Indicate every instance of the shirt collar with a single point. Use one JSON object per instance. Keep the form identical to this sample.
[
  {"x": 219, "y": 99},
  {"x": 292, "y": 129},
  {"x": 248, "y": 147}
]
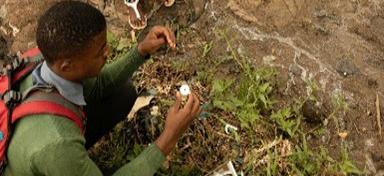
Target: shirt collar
[{"x": 71, "y": 91}]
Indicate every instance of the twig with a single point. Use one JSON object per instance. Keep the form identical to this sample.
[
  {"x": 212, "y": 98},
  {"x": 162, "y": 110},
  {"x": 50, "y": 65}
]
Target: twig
[
  {"x": 189, "y": 144},
  {"x": 224, "y": 135},
  {"x": 378, "y": 113},
  {"x": 266, "y": 147},
  {"x": 357, "y": 129},
  {"x": 133, "y": 36},
  {"x": 313, "y": 129},
  {"x": 287, "y": 6},
  {"x": 262, "y": 161}
]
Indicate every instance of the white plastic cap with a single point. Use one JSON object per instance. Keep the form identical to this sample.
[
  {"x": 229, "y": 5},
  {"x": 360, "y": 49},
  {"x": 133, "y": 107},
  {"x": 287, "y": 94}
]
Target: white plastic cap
[{"x": 184, "y": 90}]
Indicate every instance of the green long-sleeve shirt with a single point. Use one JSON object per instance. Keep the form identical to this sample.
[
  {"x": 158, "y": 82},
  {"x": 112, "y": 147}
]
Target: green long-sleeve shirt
[{"x": 51, "y": 145}]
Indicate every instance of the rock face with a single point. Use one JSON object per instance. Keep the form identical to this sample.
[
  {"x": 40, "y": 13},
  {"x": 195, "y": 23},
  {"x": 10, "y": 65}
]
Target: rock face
[
  {"x": 346, "y": 67},
  {"x": 19, "y": 24},
  {"x": 277, "y": 13},
  {"x": 312, "y": 112}
]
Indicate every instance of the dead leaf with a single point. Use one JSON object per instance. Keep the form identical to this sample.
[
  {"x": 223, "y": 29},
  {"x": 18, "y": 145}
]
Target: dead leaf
[
  {"x": 15, "y": 30},
  {"x": 343, "y": 135},
  {"x": 378, "y": 113}
]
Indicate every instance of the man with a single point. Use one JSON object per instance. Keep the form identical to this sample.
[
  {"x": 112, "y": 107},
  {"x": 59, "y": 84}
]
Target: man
[{"x": 72, "y": 38}]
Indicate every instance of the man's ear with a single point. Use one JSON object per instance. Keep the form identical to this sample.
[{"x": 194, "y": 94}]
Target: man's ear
[{"x": 66, "y": 65}]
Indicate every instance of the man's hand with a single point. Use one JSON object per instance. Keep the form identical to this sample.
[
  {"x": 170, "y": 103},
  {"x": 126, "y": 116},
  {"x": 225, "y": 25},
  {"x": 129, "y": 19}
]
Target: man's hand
[
  {"x": 178, "y": 120},
  {"x": 157, "y": 37}
]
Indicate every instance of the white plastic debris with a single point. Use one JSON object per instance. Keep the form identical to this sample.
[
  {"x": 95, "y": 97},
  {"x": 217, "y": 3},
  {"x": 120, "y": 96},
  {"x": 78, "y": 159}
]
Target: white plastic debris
[
  {"x": 169, "y": 3},
  {"x": 15, "y": 30},
  {"x": 155, "y": 111},
  {"x": 230, "y": 170},
  {"x": 133, "y": 5},
  {"x": 141, "y": 102},
  {"x": 185, "y": 90},
  {"x": 229, "y": 127}
]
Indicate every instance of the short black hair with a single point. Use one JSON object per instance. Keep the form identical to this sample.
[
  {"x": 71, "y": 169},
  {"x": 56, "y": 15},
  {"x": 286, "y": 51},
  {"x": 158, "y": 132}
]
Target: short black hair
[{"x": 66, "y": 29}]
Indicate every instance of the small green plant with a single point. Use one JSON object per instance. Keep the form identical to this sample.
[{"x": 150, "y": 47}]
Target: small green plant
[
  {"x": 346, "y": 165},
  {"x": 247, "y": 95},
  {"x": 207, "y": 48},
  {"x": 220, "y": 93},
  {"x": 117, "y": 46},
  {"x": 272, "y": 164},
  {"x": 179, "y": 65},
  {"x": 285, "y": 121},
  {"x": 313, "y": 89},
  {"x": 339, "y": 105},
  {"x": 304, "y": 161},
  {"x": 112, "y": 40},
  {"x": 245, "y": 100}
]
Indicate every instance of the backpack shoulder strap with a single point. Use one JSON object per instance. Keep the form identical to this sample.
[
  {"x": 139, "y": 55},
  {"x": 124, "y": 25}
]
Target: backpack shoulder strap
[
  {"x": 49, "y": 102},
  {"x": 20, "y": 75},
  {"x": 31, "y": 53},
  {"x": 24, "y": 72},
  {"x": 30, "y": 60}
]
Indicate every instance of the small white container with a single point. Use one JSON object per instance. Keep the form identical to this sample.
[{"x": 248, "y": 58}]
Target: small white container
[{"x": 185, "y": 90}]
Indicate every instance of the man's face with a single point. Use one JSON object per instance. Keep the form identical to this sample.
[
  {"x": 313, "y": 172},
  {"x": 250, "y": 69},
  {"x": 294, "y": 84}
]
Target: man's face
[{"x": 90, "y": 63}]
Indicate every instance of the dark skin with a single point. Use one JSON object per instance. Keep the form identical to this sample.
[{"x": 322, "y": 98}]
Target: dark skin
[
  {"x": 86, "y": 64},
  {"x": 178, "y": 120},
  {"x": 92, "y": 59}
]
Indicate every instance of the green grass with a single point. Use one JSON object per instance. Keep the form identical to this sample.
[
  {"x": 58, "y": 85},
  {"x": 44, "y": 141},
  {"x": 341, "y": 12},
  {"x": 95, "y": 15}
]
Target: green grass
[
  {"x": 249, "y": 98},
  {"x": 271, "y": 139}
]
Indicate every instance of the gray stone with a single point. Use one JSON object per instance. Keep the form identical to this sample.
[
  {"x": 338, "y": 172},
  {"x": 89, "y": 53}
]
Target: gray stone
[
  {"x": 312, "y": 112},
  {"x": 295, "y": 70},
  {"x": 345, "y": 67}
]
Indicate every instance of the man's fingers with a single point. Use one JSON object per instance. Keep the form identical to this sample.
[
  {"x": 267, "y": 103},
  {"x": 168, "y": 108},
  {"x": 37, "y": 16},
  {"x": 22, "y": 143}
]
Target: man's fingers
[
  {"x": 189, "y": 105},
  {"x": 165, "y": 32},
  {"x": 172, "y": 38},
  {"x": 196, "y": 106},
  {"x": 177, "y": 104},
  {"x": 167, "y": 35}
]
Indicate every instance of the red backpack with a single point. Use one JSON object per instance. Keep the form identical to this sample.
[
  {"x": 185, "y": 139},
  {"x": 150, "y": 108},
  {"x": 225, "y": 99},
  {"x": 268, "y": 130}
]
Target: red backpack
[{"x": 15, "y": 105}]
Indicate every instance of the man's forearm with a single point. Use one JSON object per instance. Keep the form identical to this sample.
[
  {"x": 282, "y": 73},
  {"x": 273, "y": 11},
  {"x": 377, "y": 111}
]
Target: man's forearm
[
  {"x": 113, "y": 74},
  {"x": 166, "y": 142}
]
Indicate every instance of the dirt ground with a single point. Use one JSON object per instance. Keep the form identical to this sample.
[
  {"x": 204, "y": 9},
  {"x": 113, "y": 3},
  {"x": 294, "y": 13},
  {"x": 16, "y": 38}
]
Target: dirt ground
[{"x": 339, "y": 44}]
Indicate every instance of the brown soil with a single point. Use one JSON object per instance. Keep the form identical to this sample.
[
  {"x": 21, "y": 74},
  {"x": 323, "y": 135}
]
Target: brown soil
[{"x": 337, "y": 43}]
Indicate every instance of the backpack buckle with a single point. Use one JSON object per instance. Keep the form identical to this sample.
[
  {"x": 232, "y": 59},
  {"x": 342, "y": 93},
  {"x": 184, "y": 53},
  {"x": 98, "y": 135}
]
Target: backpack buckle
[
  {"x": 11, "y": 97},
  {"x": 16, "y": 63}
]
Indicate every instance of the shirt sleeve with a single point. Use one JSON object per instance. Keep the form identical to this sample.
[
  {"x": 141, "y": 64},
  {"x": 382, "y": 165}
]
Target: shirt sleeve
[
  {"x": 113, "y": 75},
  {"x": 146, "y": 164},
  {"x": 71, "y": 158}
]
